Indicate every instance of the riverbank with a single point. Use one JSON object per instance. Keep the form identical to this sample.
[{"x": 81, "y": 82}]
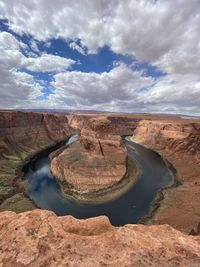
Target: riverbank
[
  {"x": 124, "y": 205},
  {"x": 13, "y": 196},
  {"x": 22, "y": 135},
  {"x": 150, "y": 217},
  {"x": 176, "y": 203}
]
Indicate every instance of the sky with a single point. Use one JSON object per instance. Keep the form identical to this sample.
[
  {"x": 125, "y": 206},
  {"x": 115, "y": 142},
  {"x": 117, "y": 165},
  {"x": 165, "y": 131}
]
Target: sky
[{"x": 116, "y": 55}]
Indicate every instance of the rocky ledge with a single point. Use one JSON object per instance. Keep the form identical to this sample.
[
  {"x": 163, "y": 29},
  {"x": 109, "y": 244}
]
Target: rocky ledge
[
  {"x": 96, "y": 162},
  {"x": 40, "y": 238}
]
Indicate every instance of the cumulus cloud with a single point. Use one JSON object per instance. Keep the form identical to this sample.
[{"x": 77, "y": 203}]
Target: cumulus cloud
[
  {"x": 47, "y": 63},
  {"x": 18, "y": 88},
  {"x": 91, "y": 89},
  {"x": 163, "y": 33}
]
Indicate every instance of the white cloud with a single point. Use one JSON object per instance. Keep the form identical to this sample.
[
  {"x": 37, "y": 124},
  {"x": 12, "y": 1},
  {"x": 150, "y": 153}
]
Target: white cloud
[
  {"x": 90, "y": 89},
  {"x": 47, "y": 63},
  {"x": 9, "y": 42},
  {"x": 18, "y": 88},
  {"x": 77, "y": 47},
  {"x": 164, "y": 33},
  {"x": 15, "y": 87},
  {"x": 175, "y": 90}
]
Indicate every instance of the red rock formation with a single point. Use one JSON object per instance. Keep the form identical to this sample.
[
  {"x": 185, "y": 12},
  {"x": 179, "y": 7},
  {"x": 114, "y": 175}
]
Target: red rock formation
[
  {"x": 177, "y": 136},
  {"x": 98, "y": 161},
  {"x": 78, "y": 120},
  {"x": 22, "y": 135},
  {"x": 178, "y": 141},
  {"x": 32, "y": 128},
  {"x": 39, "y": 238}
]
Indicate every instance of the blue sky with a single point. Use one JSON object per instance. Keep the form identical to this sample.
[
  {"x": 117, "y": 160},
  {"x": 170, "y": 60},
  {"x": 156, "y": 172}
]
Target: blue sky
[{"x": 117, "y": 56}]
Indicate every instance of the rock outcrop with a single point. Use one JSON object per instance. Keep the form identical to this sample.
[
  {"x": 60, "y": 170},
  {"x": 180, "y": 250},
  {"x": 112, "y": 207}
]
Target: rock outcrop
[
  {"x": 97, "y": 161},
  {"x": 22, "y": 134},
  {"x": 178, "y": 140},
  {"x": 40, "y": 238},
  {"x": 177, "y": 136}
]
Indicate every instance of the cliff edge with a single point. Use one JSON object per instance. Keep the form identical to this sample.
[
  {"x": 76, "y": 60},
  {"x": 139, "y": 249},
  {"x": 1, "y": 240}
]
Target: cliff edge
[{"x": 40, "y": 238}]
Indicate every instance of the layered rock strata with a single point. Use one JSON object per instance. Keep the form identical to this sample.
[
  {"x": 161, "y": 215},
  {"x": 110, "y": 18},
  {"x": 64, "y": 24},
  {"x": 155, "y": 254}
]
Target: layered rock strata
[
  {"x": 179, "y": 142},
  {"x": 97, "y": 161},
  {"x": 21, "y": 136},
  {"x": 40, "y": 238}
]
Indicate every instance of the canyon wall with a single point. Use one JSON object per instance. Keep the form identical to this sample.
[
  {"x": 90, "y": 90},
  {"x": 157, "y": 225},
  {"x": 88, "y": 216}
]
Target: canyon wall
[
  {"x": 175, "y": 136},
  {"x": 178, "y": 141},
  {"x": 124, "y": 125},
  {"x": 21, "y": 136},
  {"x": 40, "y": 238}
]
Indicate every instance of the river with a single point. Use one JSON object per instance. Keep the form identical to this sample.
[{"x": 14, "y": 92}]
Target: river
[{"x": 128, "y": 208}]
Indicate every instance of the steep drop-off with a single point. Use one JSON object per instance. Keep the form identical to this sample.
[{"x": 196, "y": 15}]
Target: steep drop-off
[
  {"x": 21, "y": 136},
  {"x": 97, "y": 161},
  {"x": 39, "y": 238},
  {"x": 179, "y": 142},
  {"x": 178, "y": 136}
]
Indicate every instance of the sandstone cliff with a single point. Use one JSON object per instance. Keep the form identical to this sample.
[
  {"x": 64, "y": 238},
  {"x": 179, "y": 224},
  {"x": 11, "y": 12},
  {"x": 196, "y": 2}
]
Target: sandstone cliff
[
  {"x": 178, "y": 140},
  {"x": 21, "y": 136},
  {"x": 39, "y": 238},
  {"x": 97, "y": 161},
  {"x": 177, "y": 136}
]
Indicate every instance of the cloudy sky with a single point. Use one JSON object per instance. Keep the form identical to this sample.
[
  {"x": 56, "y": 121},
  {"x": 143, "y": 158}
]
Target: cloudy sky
[{"x": 116, "y": 55}]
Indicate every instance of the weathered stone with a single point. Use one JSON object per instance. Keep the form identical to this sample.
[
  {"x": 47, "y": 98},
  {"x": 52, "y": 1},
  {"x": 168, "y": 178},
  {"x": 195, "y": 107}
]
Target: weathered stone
[
  {"x": 39, "y": 238},
  {"x": 96, "y": 162}
]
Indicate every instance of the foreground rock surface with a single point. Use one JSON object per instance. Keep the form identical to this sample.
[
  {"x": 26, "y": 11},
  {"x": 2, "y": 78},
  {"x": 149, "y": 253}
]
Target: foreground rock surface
[
  {"x": 178, "y": 141},
  {"x": 40, "y": 238},
  {"x": 97, "y": 161}
]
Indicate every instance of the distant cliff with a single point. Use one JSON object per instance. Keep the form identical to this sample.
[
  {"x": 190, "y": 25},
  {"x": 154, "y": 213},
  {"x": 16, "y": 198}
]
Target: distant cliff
[{"x": 177, "y": 136}]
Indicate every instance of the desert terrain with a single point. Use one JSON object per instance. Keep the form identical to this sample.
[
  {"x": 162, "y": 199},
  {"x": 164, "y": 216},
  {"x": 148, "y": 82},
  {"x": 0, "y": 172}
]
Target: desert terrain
[{"x": 99, "y": 153}]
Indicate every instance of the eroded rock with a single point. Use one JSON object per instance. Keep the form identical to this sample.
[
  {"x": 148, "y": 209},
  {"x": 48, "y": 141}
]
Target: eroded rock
[
  {"x": 40, "y": 238},
  {"x": 96, "y": 162}
]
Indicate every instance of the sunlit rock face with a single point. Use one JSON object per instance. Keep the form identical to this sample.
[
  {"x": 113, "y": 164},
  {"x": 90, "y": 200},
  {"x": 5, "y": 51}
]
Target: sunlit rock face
[
  {"x": 178, "y": 141},
  {"x": 173, "y": 135},
  {"x": 40, "y": 238},
  {"x": 95, "y": 162}
]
